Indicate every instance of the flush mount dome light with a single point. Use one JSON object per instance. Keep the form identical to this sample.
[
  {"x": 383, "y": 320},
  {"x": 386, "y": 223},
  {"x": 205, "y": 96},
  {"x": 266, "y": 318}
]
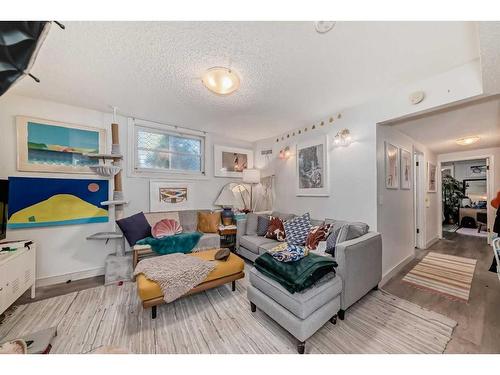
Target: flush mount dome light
[
  {"x": 221, "y": 81},
  {"x": 467, "y": 140}
]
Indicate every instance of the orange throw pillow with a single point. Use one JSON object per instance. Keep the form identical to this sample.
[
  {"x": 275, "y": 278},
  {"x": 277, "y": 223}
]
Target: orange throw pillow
[{"x": 208, "y": 222}]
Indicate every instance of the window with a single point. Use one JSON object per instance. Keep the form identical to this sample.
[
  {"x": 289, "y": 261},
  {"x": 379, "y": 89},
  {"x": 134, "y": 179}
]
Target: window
[{"x": 158, "y": 150}]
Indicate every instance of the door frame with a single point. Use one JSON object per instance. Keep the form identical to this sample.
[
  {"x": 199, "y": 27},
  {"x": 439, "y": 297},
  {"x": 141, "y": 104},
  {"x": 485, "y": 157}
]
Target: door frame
[
  {"x": 490, "y": 180},
  {"x": 419, "y": 191}
]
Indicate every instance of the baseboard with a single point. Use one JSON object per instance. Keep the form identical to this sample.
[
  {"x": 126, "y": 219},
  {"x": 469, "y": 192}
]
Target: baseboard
[
  {"x": 51, "y": 280},
  {"x": 431, "y": 242},
  {"x": 390, "y": 274}
]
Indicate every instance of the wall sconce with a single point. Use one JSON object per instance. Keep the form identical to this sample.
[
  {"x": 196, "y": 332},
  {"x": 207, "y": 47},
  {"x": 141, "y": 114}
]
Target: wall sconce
[
  {"x": 285, "y": 153},
  {"x": 343, "y": 138}
]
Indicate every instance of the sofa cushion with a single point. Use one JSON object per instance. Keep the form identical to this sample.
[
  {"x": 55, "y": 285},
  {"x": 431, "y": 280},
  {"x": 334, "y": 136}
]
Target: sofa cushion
[
  {"x": 262, "y": 225},
  {"x": 316, "y": 234},
  {"x": 282, "y": 215},
  {"x": 252, "y": 221},
  {"x": 188, "y": 220},
  {"x": 336, "y": 236},
  {"x": 301, "y": 304},
  {"x": 135, "y": 228},
  {"x": 252, "y": 243},
  {"x": 355, "y": 229},
  {"x": 264, "y": 248},
  {"x": 297, "y": 229},
  {"x": 155, "y": 217},
  {"x": 208, "y": 241}
]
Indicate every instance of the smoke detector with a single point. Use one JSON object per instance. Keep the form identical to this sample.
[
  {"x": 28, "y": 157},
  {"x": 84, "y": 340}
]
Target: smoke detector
[{"x": 323, "y": 27}]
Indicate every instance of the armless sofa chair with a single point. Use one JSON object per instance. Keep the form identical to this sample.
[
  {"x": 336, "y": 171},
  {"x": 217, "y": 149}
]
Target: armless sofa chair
[{"x": 359, "y": 258}]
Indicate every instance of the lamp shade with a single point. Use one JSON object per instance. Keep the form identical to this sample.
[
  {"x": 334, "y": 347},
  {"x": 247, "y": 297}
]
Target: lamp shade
[
  {"x": 226, "y": 197},
  {"x": 251, "y": 176}
]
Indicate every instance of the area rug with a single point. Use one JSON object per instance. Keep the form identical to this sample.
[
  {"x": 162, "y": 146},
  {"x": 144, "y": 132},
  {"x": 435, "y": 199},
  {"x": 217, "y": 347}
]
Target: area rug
[
  {"x": 447, "y": 275},
  {"x": 472, "y": 232},
  {"x": 220, "y": 321}
]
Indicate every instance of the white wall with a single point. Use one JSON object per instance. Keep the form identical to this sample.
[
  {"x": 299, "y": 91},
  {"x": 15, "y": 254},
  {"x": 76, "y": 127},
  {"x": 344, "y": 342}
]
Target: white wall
[
  {"x": 353, "y": 169},
  {"x": 396, "y": 218},
  {"x": 63, "y": 252}
]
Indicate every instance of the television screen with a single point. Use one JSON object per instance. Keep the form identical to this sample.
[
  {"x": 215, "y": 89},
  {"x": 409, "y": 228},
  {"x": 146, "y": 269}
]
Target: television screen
[{"x": 4, "y": 198}]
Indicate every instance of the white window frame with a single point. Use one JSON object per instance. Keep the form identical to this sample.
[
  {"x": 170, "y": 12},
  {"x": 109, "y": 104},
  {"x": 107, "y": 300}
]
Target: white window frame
[{"x": 135, "y": 171}]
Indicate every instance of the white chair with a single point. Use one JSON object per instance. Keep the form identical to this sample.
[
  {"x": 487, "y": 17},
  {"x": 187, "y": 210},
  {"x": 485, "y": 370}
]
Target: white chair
[{"x": 496, "y": 252}]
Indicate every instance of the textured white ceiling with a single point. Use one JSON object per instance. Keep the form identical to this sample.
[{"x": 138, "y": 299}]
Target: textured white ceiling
[
  {"x": 290, "y": 75},
  {"x": 439, "y": 131}
]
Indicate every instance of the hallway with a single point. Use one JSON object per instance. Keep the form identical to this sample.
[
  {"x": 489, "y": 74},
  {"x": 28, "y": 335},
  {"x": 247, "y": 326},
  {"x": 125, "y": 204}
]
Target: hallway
[{"x": 478, "y": 329}]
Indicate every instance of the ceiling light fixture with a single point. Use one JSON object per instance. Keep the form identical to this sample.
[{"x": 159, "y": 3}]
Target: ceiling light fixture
[
  {"x": 221, "y": 81},
  {"x": 323, "y": 27},
  {"x": 467, "y": 140}
]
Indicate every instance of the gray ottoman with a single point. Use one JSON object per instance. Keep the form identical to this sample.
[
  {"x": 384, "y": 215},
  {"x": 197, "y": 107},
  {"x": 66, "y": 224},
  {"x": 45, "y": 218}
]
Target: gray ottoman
[{"x": 301, "y": 314}]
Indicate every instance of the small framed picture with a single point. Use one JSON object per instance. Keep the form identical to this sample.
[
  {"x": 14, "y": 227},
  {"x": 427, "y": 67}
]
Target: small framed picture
[
  {"x": 405, "y": 169},
  {"x": 431, "y": 178},
  {"x": 230, "y": 161},
  {"x": 391, "y": 166},
  {"x": 169, "y": 196}
]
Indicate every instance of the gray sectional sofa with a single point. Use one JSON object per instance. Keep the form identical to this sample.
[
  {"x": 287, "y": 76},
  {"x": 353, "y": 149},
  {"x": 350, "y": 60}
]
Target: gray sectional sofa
[{"x": 359, "y": 258}]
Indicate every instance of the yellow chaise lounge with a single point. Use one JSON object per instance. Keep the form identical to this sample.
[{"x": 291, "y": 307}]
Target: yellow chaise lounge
[{"x": 227, "y": 271}]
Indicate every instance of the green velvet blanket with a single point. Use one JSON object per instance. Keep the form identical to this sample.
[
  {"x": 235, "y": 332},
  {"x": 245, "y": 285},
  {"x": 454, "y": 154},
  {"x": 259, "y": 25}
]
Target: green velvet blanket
[
  {"x": 178, "y": 243},
  {"x": 295, "y": 276}
]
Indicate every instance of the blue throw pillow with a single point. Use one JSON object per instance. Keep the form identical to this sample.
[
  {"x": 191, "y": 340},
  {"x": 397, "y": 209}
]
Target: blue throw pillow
[
  {"x": 297, "y": 229},
  {"x": 135, "y": 228}
]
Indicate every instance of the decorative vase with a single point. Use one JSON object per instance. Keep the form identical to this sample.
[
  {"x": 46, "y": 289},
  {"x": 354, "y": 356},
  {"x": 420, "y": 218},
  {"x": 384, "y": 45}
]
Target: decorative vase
[{"x": 227, "y": 216}]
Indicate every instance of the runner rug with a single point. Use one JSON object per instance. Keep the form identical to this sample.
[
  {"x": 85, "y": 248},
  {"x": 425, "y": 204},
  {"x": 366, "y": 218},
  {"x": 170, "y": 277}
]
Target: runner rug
[{"x": 448, "y": 275}]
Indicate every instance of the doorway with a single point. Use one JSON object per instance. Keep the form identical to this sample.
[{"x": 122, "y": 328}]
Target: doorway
[{"x": 465, "y": 193}]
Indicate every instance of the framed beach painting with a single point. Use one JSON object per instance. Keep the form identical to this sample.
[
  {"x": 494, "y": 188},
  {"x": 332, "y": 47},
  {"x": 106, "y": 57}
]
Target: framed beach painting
[
  {"x": 230, "y": 161},
  {"x": 51, "y": 146},
  {"x": 431, "y": 178},
  {"x": 40, "y": 202},
  {"x": 312, "y": 168},
  {"x": 405, "y": 169},
  {"x": 391, "y": 166},
  {"x": 169, "y": 196}
]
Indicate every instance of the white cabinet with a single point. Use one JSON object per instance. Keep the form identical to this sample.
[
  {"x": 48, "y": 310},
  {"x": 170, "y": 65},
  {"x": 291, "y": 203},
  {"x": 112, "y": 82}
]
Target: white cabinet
[{"x": 17, "y": 274}]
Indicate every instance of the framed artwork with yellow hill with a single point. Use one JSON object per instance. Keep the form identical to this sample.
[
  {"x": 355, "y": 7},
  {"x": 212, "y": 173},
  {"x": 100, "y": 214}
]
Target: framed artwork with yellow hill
[
  {"x": 40, "y": 202},
  {"x": 52, "y": 146}
]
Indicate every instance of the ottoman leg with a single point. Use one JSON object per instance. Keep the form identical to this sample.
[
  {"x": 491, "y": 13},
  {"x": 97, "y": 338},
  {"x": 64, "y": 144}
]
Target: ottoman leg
[
  {"x": 301, "y": 347},
  {"x": 333, "y": 319},
  {"x": 375, "y": 287},
  {"x": 233, "y": 285},
  {"x": 341, "y": 314},
  {"x": 253, "y": 307},
  {"x": 153, "y": 312}
]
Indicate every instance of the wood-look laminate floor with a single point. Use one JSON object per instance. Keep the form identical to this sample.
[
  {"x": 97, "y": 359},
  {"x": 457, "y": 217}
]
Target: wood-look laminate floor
[{"x": 478, "y": 329}]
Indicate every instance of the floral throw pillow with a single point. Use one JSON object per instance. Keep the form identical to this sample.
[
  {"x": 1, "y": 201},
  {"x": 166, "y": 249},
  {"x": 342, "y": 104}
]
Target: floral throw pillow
[
  {"x": 316, "y": 234},
  {"x": 276, "y": 230}
]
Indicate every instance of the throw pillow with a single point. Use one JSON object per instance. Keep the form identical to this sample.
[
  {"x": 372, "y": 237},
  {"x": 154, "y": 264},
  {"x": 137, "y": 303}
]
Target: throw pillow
[
  {"x": 316, "y": 234},
  {"x": 337, "y": 236},
  {"x": 297, "y": 229},
  {"x": 276, "y": 230},
  {"x": 134, "y": 228},
  {"x": 262, "y": 225},
  {"x": 208, "y": 222}
]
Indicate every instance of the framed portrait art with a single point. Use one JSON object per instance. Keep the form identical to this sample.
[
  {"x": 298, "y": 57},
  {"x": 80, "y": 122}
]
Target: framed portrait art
[
  {"x": 405, "y": 169},
  {"x": 431, "y": 178},
  {"x": 391, "y": 166},
  {"x": 312, "y": 168},
  {"x": 51, "y": 146},
  {"x": 230, "y": 161}
]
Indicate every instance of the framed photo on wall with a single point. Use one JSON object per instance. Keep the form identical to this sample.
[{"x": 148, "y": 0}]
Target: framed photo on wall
[
  {"x": 57, "y": 147},
  {"x": 169, "y": 196},
  {"x": 230, "y": 161},
  {"x": 406, "y": 163},
  {"x": 391, "y": 166},
  {"x": 312, "y": 168},
  {"x": 431, "y": 178}
]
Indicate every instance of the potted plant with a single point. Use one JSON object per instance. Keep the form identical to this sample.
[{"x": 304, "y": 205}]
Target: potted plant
[{"x": 452, "y": 196}]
